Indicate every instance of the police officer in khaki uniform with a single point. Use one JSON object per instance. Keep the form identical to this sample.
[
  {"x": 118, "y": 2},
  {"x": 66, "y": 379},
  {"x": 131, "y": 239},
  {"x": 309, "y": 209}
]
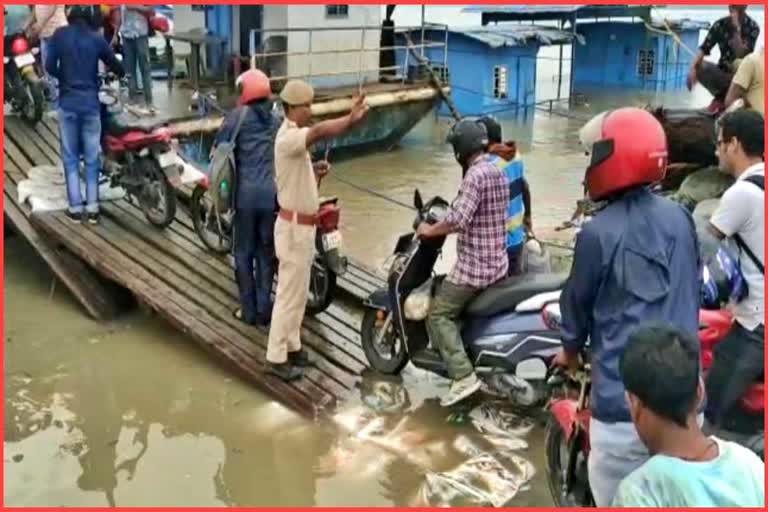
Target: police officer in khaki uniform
[{"x": 296, "y": 179}]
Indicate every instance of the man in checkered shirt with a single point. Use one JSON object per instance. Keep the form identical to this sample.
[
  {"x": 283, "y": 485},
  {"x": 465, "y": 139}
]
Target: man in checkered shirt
[{"x": 478, "y": 215}]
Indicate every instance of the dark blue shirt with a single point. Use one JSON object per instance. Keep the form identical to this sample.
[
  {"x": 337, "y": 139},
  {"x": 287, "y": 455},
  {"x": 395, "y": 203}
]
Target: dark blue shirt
[
  {"x": 254, "y": 155},
  {"x": 635, "y": 262},
  {"x": 73, "y": 57}
]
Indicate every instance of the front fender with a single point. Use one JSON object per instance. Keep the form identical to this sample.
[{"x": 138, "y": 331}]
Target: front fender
[
  {"x": 564, "y": 412},
  {"x": 378, "y": 300}
]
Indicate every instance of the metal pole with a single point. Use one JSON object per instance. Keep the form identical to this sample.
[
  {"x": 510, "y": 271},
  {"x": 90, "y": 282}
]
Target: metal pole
[
  {"x": 560, "y": 66},
  {"x": 423, "y": 12},
  {"x": 573, "y": 60},
  {"x": 309, "y": 53},
  {"x": 445, "y": 54}
]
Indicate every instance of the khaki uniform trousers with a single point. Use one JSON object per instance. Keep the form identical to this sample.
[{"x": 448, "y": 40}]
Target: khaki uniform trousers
[{"x": 295, "y": 249}]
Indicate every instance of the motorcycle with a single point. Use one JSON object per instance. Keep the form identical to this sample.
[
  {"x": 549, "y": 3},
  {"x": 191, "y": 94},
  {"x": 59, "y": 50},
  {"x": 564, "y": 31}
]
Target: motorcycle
[
  {"x": 24, "y": 89},
  {"x": 215, "y": 229},
  {"x": 567, "y": 432},
  {"x": 503, "y": 330},
  {"x": 139, "y": 158}
]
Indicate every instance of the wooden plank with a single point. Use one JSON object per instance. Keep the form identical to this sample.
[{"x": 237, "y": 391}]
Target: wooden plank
[
  {"x": 98, "y": 299},
  {"x": 221, "y": 276},
  {"x": 172, "y": 265},
  {"x": 184, "y": 315}
]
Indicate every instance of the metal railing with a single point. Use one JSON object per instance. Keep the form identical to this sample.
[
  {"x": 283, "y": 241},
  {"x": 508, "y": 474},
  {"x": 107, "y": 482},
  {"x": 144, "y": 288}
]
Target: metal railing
[{"x": 260, "y": 52}]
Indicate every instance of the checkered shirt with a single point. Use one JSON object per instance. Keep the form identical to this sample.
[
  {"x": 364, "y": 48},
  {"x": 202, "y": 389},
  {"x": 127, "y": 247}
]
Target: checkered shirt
[{"x": 478, "y": 215}]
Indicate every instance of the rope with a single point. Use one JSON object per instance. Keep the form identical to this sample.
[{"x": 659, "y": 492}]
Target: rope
[{"x": 372, "y": 192}]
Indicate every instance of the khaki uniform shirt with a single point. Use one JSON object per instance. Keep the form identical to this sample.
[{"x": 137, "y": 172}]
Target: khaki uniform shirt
[
  {"x": 58, "y": 19},
  {"x": 294, "y": 176},
  {"x": 750, "y": 77}
]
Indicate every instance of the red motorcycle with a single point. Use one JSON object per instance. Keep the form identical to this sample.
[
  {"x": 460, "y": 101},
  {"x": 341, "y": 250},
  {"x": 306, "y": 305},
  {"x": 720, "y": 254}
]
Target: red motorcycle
[
  {"x": 140, "y": 159},
  {"x": 215, "y": 230},
  {"x": 567, "y": 435},
  {"x": 24, "y": 89}
]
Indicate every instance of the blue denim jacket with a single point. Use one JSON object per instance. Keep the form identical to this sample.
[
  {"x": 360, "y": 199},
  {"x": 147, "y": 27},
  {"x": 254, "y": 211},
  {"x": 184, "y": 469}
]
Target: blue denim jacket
[
  {"x": 636, "y": 261},
  {"x": 73, "y": 57},
  {"x": 254, "y": 155}
]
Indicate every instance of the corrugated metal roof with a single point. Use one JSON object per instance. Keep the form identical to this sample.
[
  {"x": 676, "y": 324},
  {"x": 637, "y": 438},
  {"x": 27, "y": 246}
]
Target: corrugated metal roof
[
  {"x": 497, "y": 36},
  {"x": 523, "y": 9},
  {"x": 515, "y": 35}
]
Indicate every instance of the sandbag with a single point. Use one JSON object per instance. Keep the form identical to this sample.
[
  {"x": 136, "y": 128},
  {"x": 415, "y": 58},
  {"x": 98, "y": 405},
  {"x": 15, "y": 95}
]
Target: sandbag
[{"x": 708, "y": 183}]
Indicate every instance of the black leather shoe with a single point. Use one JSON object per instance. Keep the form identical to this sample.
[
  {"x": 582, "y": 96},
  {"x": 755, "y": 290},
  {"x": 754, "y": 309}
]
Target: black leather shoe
[{"x": 285, "y": 371}]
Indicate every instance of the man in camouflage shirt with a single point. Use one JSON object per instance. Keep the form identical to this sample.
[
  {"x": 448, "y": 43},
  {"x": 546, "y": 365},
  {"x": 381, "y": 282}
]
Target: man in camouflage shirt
[{"x": 735, "y": 35}]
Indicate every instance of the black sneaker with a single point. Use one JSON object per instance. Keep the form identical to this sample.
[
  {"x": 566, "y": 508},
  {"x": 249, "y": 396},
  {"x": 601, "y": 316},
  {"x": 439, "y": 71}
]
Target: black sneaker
[
  {"x": 285, "y": 371},
  {"x": 93, "y": 217},
  {"x": 76, "y": 217},
  {"x": 300, "y": 358}
]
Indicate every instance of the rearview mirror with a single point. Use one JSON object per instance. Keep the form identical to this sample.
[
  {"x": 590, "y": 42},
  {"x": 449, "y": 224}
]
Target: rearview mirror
[{"x": 417, "y": 202}]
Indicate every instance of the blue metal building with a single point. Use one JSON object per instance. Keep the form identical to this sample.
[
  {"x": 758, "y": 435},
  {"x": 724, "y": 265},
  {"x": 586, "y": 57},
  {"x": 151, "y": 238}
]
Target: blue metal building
[
  {"x": 489, "y": 69},
  {"x": 622, "y": 46},
  {"x": 620, "y": 54}
]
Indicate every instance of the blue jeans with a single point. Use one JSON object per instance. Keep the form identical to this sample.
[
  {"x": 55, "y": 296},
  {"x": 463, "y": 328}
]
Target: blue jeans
[
  {"x": 136, "y": 52},
  {"x": 51, "y": 82},
  {"x": 254, "y": 248},
  {"x": 81, "y": 135}
]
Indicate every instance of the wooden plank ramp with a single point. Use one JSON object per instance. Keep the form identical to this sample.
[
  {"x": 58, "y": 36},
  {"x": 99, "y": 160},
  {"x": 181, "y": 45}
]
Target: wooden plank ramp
[
  {"x": 171, "y": 272},
  {"x": 100, "y": 299}
]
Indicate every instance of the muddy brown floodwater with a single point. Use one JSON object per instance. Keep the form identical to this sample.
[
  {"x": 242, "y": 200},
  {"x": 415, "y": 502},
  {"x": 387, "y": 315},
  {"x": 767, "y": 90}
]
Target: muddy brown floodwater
[{"x": 131, "y": 413}]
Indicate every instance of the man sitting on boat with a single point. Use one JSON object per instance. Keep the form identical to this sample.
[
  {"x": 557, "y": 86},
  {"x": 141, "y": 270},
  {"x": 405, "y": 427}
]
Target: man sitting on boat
[
  {"x": 478, "y": 216},
  {"x": 503, "y": 155},
  {"x": 735, "y": 35},
  {"x": 748, "y": 82}
]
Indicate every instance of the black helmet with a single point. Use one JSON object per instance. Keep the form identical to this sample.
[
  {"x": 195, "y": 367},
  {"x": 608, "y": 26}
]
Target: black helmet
[
  {"x": 90, "y": 14},
  {"x": 467, "y": 138},
  {"x": 493, "y": 128}
]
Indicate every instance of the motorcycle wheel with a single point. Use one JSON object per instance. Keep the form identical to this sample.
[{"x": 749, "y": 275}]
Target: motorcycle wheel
[
  {"x": 34, "y": 105},
  {"x": 322, "y": 286},
  {"x": 206, "y": 226},
  {"x": 556, "y": 448},
  {"x": 390, "y": 358},
  {"x": 155, "y": 191}
]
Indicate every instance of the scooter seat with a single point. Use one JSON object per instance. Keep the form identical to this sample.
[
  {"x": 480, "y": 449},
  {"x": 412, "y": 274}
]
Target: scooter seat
[
  {"x": 119, "y": 129},
  {"x": 507, "y": 294}
]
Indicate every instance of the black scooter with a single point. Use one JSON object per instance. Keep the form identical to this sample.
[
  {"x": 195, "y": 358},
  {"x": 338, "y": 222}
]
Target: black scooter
[{"x": 504, "y": 331}]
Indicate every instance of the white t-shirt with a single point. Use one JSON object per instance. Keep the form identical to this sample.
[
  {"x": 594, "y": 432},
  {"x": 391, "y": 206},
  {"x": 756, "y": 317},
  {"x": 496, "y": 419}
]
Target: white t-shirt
[{"x": 741, "y": 211}]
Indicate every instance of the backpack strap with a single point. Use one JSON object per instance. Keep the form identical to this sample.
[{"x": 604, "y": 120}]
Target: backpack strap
[
  {"x": 758, "y": 181},
  {"x": 240, "y": 119}
]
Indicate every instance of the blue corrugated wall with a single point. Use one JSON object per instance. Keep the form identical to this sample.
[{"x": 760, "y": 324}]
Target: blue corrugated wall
[{"x": 471, "y": 68}]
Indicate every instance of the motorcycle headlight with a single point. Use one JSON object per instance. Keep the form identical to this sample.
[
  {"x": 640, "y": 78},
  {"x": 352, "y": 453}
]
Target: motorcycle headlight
[{"x": 417, "y": 304}]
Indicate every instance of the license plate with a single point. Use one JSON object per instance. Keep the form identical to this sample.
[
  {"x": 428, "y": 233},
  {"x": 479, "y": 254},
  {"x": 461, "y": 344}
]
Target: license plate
[
  {"x": 332, "y": 240},
  {"x": 167, "y": 159},
  {"x": 24, "y": 60}
]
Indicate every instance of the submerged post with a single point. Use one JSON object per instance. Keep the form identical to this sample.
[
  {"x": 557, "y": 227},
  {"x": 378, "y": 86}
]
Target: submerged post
[
  {"x": 573, "y": 59},
  {"x": 560, "y": 64}
]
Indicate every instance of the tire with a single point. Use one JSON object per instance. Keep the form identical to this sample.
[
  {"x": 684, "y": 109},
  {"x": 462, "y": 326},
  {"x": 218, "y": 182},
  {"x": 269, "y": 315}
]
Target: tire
[
  {"x": 554, "y": 442},
  {"x": 34, "y": 108},
  {"x": 155, "y": 188},
  {"x": 322, "y": 287},
  {"x": 220, "y": 243},
  {"x": 368, "y": 332}
]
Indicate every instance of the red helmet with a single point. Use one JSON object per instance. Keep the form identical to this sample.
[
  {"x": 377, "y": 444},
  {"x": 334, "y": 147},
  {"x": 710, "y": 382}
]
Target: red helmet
[
  {"x": 19, "y": 45},
  {"x": 628, "y": 148},
  {"x": 253, "y": 85}
]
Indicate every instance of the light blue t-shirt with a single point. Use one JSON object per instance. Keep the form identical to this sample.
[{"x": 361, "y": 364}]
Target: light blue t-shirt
[
  {"x": 734, "y": 479},
  {"x": 516, "y": 208}
]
